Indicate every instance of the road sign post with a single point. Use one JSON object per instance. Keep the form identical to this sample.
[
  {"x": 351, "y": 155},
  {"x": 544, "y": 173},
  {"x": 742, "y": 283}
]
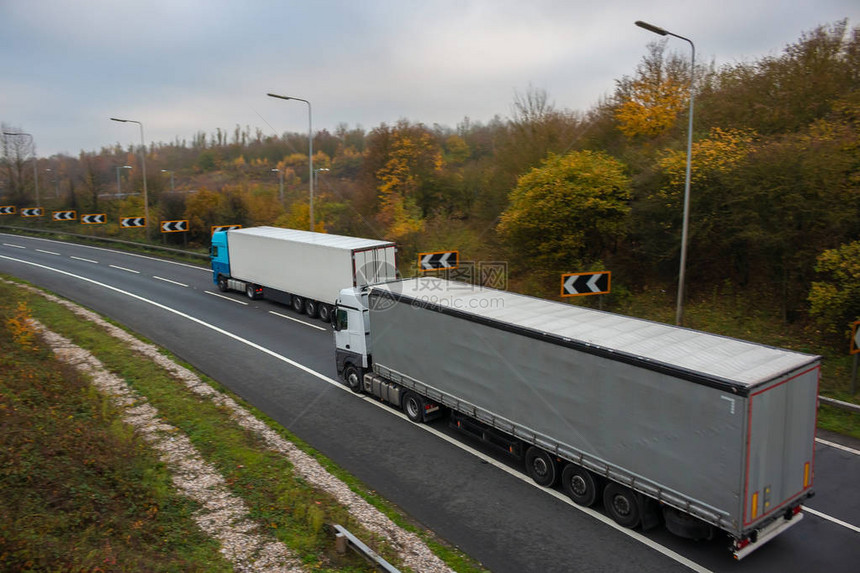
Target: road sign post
[
  {"x": 132, "y": 222},
  {"x": 584, "y": 284},
  {"x": 215, "y": 228},
  {"x": 64, "y": 215},
  {"x": 93, "y": 219},
  {"x": 438, "y": 261}
]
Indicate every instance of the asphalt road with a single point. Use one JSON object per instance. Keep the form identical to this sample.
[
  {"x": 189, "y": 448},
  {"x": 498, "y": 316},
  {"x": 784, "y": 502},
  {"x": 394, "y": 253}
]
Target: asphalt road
[{"x": 283, "y": 364}]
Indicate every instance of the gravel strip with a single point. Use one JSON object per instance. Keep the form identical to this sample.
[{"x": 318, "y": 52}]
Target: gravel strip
[
  {"x": 223, "y": 515},
  {"x": 413, "y": 552}
]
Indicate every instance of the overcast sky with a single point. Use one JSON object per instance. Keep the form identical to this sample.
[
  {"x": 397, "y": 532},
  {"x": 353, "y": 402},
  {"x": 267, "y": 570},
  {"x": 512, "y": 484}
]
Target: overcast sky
[{"x": 182, "y": 66}]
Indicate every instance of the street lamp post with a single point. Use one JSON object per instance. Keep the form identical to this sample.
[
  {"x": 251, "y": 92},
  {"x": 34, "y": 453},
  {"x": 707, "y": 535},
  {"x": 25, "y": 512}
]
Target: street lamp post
[
  {"x": 281, "y": 184},
  {"x": 118, "y": 189},
  {"x": 56, "y": 181},
  {"x": 310, "y": 152},
  {"x": 317, "y": 173},
  {"x": 172, "y": 188},
  {"x": 35, "y": 167},
  {"x": 143, "y": 167},
  {"x": 679, "y": 313}
]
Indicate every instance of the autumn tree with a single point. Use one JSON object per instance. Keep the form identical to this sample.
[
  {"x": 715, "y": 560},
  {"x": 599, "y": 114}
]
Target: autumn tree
[
  {"x": 536, "y": 129},
  {"x": 835, "y": 298},
  {"x": 567, "y": 213},
  {"x": 404, "y": 164},
  {"x": 785, "y": 92},
  {"x": 650, "y": 102}
]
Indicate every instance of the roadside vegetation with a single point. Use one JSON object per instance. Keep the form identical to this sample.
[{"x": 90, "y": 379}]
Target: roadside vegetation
[{"x": 81, "y": 491}]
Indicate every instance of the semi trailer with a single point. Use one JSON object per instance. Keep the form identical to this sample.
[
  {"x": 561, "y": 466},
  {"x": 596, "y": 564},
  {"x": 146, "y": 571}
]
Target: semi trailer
[
  {"x": 661, "y": 424},
  {"x": 303, "y": 269}
]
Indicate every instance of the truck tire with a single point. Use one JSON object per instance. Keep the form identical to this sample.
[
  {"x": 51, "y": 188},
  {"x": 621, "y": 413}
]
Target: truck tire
[
  {"x": 352, "y": 376},
  {"x": 325, "y": 313},
  {"x": 311, "y": 308},
  {"x": 222, "y": 283},
  {"x": 580, "y": 485},
  {"x": 541, "y": 467},
  {"x": 413, "y": 407},
  {"x": 298, "y": 304},
  {"x": 685, "y": 525},
  {"x": 622, "y": 505},
  {"x": 251, "y": 291}
]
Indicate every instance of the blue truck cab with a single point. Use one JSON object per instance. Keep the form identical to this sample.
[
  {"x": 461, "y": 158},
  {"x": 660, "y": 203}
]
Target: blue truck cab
[{"x": 219, "y": 256}]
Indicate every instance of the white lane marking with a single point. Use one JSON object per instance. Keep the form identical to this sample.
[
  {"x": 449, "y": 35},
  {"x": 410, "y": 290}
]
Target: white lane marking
[
  {"x": 297, "y": 320},
  {"x": 838, "y": 446},
  {"x": 853, "y": 528},
  {"x": 125, "y": 269},
  {"x": 48, "y": 252},
  {"x": 83, "y": 259},
  {"x": 169, "y": 281},
  {"x": 14, "y": 246},
  {"x": 114, "y": 251},
  {"x": 226, "y": 297}
]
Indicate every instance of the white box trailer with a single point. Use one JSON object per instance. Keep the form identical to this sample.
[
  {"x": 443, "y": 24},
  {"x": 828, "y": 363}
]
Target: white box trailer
[
  {"x": 304, "y": 269},
  {"x": 714, "y": 431}
]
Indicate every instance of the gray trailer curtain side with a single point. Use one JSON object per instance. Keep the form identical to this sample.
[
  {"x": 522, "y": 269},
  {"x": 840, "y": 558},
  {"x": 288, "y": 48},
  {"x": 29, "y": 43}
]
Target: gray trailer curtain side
[{"x": 713, "y": 441}]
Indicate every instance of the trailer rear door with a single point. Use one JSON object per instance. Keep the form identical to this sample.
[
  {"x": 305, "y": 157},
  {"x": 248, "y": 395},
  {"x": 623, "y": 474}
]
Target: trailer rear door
[
  {"x": 374, "y": 265},
  {"x": 780, "y": 444}
]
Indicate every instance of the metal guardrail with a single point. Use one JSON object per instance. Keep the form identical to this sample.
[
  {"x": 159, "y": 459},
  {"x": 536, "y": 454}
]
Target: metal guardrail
[
  {"x": 356, "y": 544},
  {"x": 840, "y": 404},
  {"x": 192, "y": 254}
]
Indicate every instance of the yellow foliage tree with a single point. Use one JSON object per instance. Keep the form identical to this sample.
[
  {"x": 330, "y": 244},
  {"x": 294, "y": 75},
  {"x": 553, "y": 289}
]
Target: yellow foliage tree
[
  {"x": 719, "y": 153},
  {"x": 652, "y": 107}
]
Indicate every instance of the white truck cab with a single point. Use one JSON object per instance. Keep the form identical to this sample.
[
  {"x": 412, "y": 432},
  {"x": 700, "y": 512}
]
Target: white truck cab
[{"x": 351, "y": 335}]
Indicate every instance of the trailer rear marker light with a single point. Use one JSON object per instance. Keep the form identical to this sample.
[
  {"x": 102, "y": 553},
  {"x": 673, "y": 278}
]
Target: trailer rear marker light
[{"x": 755, "y": 505}]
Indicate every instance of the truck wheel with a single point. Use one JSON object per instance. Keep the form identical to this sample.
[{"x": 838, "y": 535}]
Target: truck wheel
[
  {"x": 580, "y": 484},
  {"x": 325, "y": 313},
  {"x": 352, "y": 375},
  {"x": 298, "y": 304},
  {"x": 250, "y": 291},
  {"x": 685, "y": 525},
  {"x": 541, "y": 467},
  {"x": 413, "y": 407},
  {"x": 621, "y": 505},
  {"x": 311, "y": 308},
  {"x": 222, "y": 283}
]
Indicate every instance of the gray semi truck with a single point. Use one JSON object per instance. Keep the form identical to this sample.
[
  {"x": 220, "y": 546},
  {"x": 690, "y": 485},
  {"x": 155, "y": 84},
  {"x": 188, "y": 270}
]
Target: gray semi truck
[{"x": 659, "y": 423}]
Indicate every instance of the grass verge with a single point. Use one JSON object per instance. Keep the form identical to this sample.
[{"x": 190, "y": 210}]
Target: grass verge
[
  {"x": 80, "y": 492},
  {"x": 292, "y": 511}
]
